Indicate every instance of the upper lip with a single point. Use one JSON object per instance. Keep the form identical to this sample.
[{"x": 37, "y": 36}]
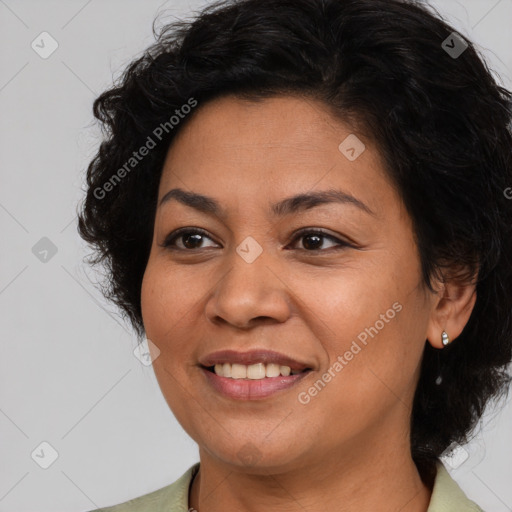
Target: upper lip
[{"x": 252, "y": 357}]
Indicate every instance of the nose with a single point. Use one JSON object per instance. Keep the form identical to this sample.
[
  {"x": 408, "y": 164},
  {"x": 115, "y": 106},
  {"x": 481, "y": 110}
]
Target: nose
[{"x": 249, "y": 294}]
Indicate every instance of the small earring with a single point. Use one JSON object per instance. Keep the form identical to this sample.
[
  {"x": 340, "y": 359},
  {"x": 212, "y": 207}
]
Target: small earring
[{"x": 445, "y": 338}]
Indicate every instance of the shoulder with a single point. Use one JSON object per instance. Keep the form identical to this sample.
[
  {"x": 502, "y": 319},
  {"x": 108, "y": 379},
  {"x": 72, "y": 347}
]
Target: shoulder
[
  {"x": 172, "y": 498},
  {"x": 447, "y": 496}
]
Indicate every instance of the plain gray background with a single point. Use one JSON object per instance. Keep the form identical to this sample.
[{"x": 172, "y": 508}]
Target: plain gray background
[{"x": 68, "y": 374}]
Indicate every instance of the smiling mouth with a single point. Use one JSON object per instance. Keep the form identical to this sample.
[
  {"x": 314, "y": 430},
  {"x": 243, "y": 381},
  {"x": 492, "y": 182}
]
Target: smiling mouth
[{"x": 256, "y": 371}]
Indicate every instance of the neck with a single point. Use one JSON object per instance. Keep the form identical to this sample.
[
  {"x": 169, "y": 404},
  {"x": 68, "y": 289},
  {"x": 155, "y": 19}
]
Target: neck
[{"x": 359, "y": 481}]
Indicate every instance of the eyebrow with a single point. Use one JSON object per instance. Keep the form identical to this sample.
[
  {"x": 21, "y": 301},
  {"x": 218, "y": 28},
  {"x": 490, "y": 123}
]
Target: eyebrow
[{"x": 282, "y": 208}]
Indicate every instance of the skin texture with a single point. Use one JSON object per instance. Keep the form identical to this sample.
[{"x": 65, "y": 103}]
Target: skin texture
[{"x": 347, "y": 449}]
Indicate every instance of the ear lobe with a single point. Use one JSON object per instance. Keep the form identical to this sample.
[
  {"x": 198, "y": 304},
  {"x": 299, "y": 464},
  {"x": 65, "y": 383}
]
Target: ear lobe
[{"x": 452, "y": 309}]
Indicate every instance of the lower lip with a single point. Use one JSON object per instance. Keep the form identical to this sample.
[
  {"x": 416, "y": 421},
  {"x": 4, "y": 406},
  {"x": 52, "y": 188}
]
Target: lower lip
[{"x": 251, "y": 389}]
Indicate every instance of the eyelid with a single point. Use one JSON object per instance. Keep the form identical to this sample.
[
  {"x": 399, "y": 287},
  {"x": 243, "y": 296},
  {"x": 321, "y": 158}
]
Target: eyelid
[
  {"x": 168, "y": 242},
  {"x": 319, "y": 231},
  {"x": 188, "y": 229}
]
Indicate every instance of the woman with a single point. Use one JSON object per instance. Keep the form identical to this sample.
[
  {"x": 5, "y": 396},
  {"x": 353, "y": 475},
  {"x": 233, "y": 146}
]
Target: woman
[{"x": 302, "y": 205}]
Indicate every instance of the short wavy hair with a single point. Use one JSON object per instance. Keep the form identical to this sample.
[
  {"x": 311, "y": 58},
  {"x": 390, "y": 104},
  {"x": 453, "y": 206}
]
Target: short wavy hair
[{"x": 389, "y": 68}]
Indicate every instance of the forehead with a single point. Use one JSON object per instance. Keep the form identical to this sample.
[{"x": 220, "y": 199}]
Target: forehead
[
  {"x": 278, "y": 123},
  {"x": 237, "y": 149}
]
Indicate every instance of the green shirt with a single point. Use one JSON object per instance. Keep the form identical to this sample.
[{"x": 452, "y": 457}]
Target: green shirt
[{"x": 447, "y": 496}]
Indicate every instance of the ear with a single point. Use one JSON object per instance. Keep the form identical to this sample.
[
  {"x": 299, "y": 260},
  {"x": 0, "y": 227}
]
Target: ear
[{"x": 452, "y": 307}]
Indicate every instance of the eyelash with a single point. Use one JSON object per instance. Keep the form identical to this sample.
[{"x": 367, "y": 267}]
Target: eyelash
[{"x": 171, "y": 238}]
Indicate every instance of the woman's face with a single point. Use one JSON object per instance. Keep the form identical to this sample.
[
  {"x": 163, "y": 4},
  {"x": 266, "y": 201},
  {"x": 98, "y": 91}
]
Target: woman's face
[{"x": 348, "y": 305}]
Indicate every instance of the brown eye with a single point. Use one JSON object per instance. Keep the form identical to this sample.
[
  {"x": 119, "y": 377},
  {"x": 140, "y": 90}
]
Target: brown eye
[
  {"x": 191, "y": 239},
  {"x": 313, "y": 240}
]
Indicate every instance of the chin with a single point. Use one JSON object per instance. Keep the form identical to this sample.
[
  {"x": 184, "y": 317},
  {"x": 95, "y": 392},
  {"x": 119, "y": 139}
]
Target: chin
[{"x": 253, "y": 456}]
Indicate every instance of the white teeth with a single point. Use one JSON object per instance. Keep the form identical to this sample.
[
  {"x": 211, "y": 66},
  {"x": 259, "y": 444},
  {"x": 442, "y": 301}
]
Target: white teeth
[
  {"x": 272, "y": 370},
  {"x": 285, "y": 370},
  {"x": 256, "y": 371},
  {"x": 238, "y": 371},
  {"x": 226, "y": 370},
  {"x": 253, "y": 371}
]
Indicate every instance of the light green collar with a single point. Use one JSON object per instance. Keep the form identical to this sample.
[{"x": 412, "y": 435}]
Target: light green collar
[{"x": 447, "y": 496}]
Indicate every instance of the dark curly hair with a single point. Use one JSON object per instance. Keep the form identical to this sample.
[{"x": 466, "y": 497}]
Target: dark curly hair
[{"x": 440, "y": 121}]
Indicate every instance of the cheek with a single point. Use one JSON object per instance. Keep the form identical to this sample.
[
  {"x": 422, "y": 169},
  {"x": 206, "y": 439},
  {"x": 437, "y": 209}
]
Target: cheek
[
  {"x": 164, "y": 305},
  {"x": 152, "y": 302},
  {"x": 351, "y": 300},
  {"x": 371, "y": 324},
  {"x": 162, "y": 309},
  {"x": 165, "y": 299}
]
